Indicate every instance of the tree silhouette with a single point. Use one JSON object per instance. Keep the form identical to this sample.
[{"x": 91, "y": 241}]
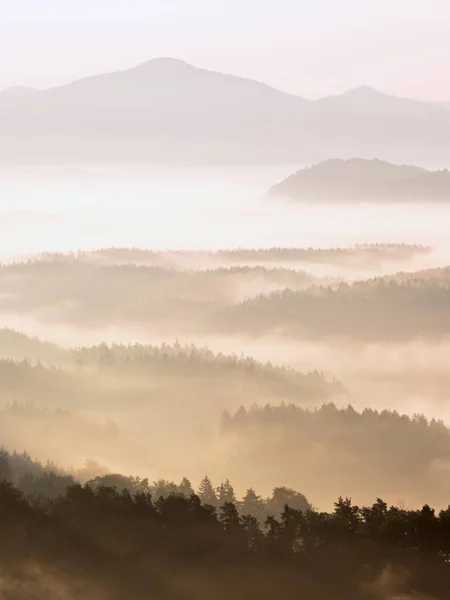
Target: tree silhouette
[
  {"x": 5, "y": 468},
  {"x": 282, "y": 496},
  {"x": 185, "y": 487},
  {"x": 206, "y": 492},
  {"x": 252, "y": 504},
  {"x": 225, "y": 493}
]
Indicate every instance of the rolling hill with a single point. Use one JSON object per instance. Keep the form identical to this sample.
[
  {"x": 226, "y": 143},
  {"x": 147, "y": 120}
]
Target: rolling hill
[{"x": 364, "y": 180}]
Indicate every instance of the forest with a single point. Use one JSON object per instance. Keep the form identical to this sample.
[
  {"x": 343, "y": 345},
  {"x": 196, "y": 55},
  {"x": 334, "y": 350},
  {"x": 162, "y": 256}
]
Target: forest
[
  {"x": 224, "y": 300},
  {"x": 248, "y": 300},
  {"x": 398, "y": 308},
  {"x": 360, "y": 180},
  {"x": 358, "y": 255},
  {"x": 309, "y": 384},
  {"x": 98, "y": 540}
]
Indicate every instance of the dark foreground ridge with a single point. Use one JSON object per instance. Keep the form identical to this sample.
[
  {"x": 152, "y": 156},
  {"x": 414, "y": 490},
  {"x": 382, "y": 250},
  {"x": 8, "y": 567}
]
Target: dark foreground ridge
[{"x": 96, "y": 541}]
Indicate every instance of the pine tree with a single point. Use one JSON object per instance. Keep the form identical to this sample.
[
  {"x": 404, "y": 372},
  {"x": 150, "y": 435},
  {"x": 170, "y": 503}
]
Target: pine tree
[
  {"x": 225, "y": 493},
  {"x": 185, "y": 487},
  {"x": 206, "y": 492},
  {"x": 229, "y": 517},
  {"x": 252, "y": 504}
]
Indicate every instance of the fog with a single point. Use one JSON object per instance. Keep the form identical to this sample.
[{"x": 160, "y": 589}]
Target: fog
[
  {"x": 190, "y": 209},
  {"x": 215, "y": 352},
  {"x": 153, "y": 258}
]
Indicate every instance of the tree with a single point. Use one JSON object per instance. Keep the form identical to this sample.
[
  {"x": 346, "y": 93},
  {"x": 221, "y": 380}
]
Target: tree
[
  {"x": 49, "y": 484},
  {"x": 252, "y": 504},
  {"x": 163, "y": 488},
  {"x": 206, "y": 492},
  {"x": 254, "y": 535},
  {"x": 229, "y": 516},
  {"x": 225, "y": 493},
  {"x": 5, "y": 467},
  {"x": 185, "y": 487},
  {"x": 282, "y": 496},
  {"x": 346, "y": 515}
]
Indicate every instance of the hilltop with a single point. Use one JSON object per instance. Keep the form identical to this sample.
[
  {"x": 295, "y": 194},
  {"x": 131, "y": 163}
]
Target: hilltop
[{"x": 364, "y": 180}]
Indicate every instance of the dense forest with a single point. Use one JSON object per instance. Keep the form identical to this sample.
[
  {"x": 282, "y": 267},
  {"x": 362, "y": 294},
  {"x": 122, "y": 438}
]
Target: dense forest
[
  {"x": 359, "y": 180},
  {"x": 328, "y": 449},
  {"x": 248, "y": 300},
  {"x": 96, "y": 540},
  {"x": 33, "y": 477},
  {"x": 88, "y": 413},
  {"x": 87, "y": 295},
  {"x": 325, "y": 450},
  {"x": 120, "y": 403},
  {"x": 142, "y": 372},
  {"x": 382, "y": 309},
  {"x": 210, "y": 388}
]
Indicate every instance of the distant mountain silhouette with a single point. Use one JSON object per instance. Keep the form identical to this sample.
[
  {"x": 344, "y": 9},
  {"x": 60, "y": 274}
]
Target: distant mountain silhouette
[
  {"x": 364, "y": 180},
  {"x": 18, "y": 91},
  {"x": 168, "y": 110}
]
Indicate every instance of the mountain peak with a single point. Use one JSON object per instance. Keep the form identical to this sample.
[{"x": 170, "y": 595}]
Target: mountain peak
[
  {"x": 164, "y": 62},
  {"x": 363, "y": 91}
]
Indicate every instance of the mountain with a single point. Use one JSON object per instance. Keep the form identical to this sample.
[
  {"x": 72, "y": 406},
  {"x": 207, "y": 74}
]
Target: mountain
[
  {"x": 168, "y": 110},
  {"x": 18, "y": 91},
  {"x": 364, "y": 180},
  {"x": 368, "y": 101}
]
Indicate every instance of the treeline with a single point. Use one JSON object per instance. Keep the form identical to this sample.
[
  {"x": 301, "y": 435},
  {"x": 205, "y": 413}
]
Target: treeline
[
  {"x": 129, "y": 545},
  {"x": 34, "y": 478},
  {"x": 340, "y": 256},
  {"x": 375, "y": 310},
  {"x": 324, "y": 450},
  {"x": 183, "y": 370},
  {"x": 334, "y": 255},
  {"x": 83, "y": 293},
  {"x": 328, "y": 449},
  {"x": 193, "y": 361},
  {"x": 15, "y": 345}
]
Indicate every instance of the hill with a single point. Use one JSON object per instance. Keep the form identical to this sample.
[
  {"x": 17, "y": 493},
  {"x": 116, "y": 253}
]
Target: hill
[
  {"x": 404, "y": 307},
  {"x": 72, "y": 291},
  {"x": 18, "y": 346},
  {"x": 147, "y": 375},
  {"x": 168, "y": 110},
  {"x": 364, "y": 180},
  {"x": 174, "y": 293},
  {"x": 341, "y": 449}
]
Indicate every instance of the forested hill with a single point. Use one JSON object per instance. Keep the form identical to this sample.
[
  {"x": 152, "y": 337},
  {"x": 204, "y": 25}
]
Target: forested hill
[
  {"x": 187, "y": 374},
  {"x": 405, "y": 306},
  {"x": 96, "y": 541},
  {"x": 358, "y": 180}
]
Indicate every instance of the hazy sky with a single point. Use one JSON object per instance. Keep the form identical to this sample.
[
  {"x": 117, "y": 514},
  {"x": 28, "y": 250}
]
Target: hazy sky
[{"x": 308, "y": 47}]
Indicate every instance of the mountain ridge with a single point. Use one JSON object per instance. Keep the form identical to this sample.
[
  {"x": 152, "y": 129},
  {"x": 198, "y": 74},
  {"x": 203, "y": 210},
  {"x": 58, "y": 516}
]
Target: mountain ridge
[
  {"x": 165, "y": 109},
  {"x": 179, "y": 63}
]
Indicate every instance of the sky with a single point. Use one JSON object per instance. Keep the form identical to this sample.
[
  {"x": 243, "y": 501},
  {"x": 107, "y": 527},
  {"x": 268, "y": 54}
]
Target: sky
[{"x": 311, "y": 48}]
